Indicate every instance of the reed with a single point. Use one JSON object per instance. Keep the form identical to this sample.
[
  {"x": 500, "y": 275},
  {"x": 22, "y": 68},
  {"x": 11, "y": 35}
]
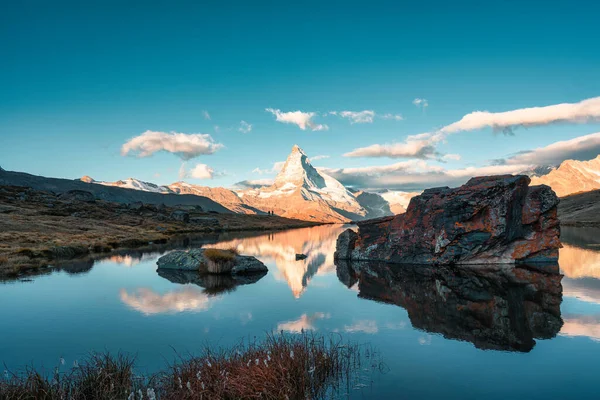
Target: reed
[{"x": 281, "y": 366}]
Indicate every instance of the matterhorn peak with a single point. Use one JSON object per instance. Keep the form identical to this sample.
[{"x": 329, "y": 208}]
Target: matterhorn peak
[
  {"x": 298, "y": 171},
  {"x": 297, "y": 149}
]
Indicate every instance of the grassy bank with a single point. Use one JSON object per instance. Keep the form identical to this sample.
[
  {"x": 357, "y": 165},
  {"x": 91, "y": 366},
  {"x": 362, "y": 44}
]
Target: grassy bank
[
  {"x": 37, "y": 227},
  {"x": 282, "y": 366}
]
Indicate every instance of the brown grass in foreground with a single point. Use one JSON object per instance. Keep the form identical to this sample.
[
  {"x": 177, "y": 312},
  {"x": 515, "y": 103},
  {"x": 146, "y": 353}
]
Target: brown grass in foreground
[{"x": 305, "y": 366}]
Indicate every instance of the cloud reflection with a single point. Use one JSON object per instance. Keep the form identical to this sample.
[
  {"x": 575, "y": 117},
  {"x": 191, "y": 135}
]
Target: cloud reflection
[
  {"x": 364, "y": 326},
  {"x": 582, "y": 325},
  {"x": 187, "y": 299},
  {"x": 305, "y": 322}
]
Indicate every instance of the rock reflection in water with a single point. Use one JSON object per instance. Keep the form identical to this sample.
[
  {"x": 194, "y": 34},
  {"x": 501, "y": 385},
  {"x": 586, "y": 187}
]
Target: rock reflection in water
[
  {"x": 493, "y": 307},
  {"x": 213, "y": 284},
  {"x": 198, "y": 292}
]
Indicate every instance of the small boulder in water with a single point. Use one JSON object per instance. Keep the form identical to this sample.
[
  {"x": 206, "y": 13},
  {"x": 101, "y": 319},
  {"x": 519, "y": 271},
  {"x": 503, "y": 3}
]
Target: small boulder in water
[{"x": 210, "y": 262}]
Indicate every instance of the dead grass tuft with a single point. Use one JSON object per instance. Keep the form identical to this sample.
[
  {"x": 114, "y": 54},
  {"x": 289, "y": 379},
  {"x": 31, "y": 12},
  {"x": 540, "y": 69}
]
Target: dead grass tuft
[
  {"x": 219, "y": 255},
  {"x": 279, "y": 367}
]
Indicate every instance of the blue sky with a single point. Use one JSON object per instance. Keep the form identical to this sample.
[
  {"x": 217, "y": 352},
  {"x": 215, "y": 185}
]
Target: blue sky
[{"x": 80, "y": 79}]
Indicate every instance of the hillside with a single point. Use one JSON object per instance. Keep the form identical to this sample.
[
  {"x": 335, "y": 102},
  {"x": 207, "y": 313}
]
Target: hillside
[
  {"x": 300, "y": 191},
  {"x": 582, "y": 209},
  {"x": 108, "y": 193}
]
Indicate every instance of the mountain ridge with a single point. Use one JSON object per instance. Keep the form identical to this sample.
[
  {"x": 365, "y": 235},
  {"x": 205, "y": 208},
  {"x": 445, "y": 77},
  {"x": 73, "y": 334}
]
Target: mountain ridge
[{"x": 572, "y": 176}]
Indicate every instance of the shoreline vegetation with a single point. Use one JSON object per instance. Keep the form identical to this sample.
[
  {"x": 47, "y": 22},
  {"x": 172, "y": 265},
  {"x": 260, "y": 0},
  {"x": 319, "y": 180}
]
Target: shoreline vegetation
[
  {"x": 39, "y": 228},
  {"x": 281, "y": 366}
]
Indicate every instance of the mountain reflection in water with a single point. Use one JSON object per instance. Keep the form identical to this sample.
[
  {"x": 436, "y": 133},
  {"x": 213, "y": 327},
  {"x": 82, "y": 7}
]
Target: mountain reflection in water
[
  {"x": 280, "y": 248},
  {"x": 499, "y": 307}
]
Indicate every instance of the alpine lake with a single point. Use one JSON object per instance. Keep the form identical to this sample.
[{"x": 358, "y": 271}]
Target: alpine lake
[{"x": 449, "y": 333}]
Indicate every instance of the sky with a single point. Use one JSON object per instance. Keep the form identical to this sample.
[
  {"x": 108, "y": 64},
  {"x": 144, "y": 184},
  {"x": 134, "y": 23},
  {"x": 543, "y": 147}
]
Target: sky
[{"x": 399, "y": 95}]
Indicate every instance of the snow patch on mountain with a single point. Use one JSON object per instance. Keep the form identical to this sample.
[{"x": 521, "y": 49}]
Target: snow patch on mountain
[{"x": 131, "y": 183}]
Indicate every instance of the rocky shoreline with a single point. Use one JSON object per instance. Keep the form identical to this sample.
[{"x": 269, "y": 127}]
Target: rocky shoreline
[{"x": 40, "y": 228}]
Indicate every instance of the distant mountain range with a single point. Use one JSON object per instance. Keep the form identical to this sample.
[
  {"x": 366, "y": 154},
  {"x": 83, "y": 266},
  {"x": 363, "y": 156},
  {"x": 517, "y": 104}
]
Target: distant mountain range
[
  {"x": 300, "y": 191},
  {"x": 303, "y": 192}
]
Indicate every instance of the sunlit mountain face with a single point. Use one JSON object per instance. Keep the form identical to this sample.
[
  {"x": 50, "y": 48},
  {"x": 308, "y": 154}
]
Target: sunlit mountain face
[{"x": 280, "y": 249}]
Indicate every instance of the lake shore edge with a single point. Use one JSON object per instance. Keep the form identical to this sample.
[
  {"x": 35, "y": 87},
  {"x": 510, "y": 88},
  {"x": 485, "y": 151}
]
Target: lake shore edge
[{"x": 38, "y": 228}]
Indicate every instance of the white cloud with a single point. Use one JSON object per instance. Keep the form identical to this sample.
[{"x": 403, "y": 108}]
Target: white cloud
[
  {"x": 358, "y": 117},
  {"x": 581, "y": 112},
  {"x": 422, "y": 103},
  {"x": 451, "y": 157},
  {"x": 184, "y": 145},
  {"x": 253, "y": 183},
  {"x": 417, "y": 174},
  {"x": 396, "y": 117},
  {"x": 580, "y": 148},
  {"x": 414, "y": 175},
  {"x": 302, "y": 119},
  {"x": 277, "y": 166},
  {"x": 417, "y": 146},
  {"x": 363, "y": 117},
  {"x": 319, "y": 157},
  {"x": 206, "y": 115},
  {"x": 425, "y": 145},
  {"x": 199, "y": 171},
  {"x": 245, "y": 127}
]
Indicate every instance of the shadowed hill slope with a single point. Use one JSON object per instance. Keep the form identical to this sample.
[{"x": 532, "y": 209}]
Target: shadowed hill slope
[
  {"x": 582, "y": 209},
  {"x": 108, "y": 193}
]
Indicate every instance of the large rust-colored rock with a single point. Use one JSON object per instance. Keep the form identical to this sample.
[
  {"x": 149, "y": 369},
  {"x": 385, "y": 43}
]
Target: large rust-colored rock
[{"x": 495, "y": 219}]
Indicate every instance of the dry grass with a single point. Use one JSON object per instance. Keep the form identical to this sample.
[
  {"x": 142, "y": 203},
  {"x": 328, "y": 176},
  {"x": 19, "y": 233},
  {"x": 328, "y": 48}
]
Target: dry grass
[
  {"x": 220, "y": 255},
  {"x": 41, "y": 234},
  {"x": 219, "y": 261},
  {"x": 101, "y": 376},
  {"x": 280, "y": 367}
]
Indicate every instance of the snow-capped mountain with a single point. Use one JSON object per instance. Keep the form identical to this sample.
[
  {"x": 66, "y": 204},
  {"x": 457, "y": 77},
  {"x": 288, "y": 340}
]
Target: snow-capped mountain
[
  {"x": 572, "y": 177},
  {"x": 131, "y": 183},
  {"x": 300, "y": 191}
]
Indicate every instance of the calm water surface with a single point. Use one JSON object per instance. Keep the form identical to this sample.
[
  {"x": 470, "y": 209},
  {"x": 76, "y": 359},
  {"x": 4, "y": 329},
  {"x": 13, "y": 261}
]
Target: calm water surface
[{"x": 430, "y": 348}]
